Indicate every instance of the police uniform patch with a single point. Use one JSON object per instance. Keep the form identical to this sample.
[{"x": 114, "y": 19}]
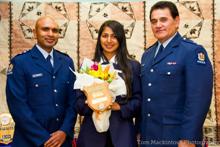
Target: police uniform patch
[
  {"x": 10, "y": 68},
  {"x": 201, "y": 58}
]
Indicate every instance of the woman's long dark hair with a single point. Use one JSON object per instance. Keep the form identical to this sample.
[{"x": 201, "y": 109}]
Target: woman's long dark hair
[{"x": 122, "y": 56}]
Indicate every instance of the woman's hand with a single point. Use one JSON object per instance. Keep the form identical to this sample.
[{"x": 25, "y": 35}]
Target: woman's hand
[{"x": 115, "y": 106}]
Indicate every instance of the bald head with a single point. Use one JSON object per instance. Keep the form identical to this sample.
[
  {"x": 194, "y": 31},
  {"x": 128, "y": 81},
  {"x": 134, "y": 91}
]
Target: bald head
[
  {"x": 43, "y": 18},
  {"x": 46, "y": 32}
]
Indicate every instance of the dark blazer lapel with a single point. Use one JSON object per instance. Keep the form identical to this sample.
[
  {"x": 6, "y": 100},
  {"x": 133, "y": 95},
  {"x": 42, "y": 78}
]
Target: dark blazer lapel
[
  {"x": 169, "y": 48},
  {"x": 58, "y": 60},
  {"x": 116, "y": 66},
  {"x": 39, "y": 59},
  {"x": 151, "y": 55}
]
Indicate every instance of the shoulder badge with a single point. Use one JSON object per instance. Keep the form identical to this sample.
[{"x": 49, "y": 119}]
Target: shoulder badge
[
  {"x": 201, "y": 58},
  {"x": 10, "y": 69}
]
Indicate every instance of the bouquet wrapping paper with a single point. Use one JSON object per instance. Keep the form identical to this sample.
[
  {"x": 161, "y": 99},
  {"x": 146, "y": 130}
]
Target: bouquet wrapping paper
[{"x": 116, "y": 86}]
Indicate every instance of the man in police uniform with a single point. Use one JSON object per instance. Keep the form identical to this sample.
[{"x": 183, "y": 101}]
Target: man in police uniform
[
  {"x": 40, "y": 92},
  {"x": 177, "y": 84}
]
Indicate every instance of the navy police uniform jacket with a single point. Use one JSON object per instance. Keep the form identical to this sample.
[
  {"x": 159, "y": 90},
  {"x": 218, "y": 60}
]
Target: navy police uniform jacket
[
  {"x": 40, "y": 99},
  {"x": 122, "y": 130},
  {"x": 177, "y": 90}
]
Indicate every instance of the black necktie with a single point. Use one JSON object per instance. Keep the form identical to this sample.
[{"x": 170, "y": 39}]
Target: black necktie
[
  {"x": 159, "y": 51},
  {"x": 48, "y": 62}
]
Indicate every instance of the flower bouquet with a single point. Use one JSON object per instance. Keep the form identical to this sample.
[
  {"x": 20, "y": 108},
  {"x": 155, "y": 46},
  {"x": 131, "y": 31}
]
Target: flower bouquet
[{"x": 101, "y": 84}]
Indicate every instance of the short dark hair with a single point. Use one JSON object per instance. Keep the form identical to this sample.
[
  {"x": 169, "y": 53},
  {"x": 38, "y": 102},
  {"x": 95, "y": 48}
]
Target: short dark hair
[{"x": 165, "y": 4}]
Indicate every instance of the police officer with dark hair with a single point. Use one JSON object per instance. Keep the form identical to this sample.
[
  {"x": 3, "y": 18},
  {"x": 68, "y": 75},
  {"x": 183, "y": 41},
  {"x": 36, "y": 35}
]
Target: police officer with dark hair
[
  {"x": 40, "y": 92},
  {"x": 177, "y": 77}
]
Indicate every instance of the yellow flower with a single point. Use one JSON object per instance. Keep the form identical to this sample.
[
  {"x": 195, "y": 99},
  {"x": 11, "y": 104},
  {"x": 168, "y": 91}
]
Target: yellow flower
[{"x": 97, "y": 71}]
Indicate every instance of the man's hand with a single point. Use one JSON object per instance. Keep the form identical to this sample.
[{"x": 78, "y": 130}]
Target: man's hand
[
  {"x": 185, "y": 143},
  {"x": 56, "y": 140}
]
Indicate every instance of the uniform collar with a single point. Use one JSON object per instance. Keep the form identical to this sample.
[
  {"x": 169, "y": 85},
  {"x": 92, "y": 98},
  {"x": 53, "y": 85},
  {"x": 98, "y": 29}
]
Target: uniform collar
[
  {"x": 167, "y": 41},
  {"x": 44, "y": 53},
  {"x": 112, "y": 60}
]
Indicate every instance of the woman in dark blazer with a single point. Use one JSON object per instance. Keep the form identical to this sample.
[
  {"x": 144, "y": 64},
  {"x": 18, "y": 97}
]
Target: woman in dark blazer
[{"x": 111, "y": 48}]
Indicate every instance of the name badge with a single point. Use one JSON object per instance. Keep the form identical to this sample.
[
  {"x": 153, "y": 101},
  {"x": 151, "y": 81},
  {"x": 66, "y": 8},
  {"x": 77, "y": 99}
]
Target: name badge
[{"x": 37, "y": 75}]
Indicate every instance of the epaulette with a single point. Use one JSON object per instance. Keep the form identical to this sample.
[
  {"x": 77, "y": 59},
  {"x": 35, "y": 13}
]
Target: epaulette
[
  {"x": 65, "y": 54},
  {"x": 21, "y": 53},
  {"x": 189, "y": 41}
]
